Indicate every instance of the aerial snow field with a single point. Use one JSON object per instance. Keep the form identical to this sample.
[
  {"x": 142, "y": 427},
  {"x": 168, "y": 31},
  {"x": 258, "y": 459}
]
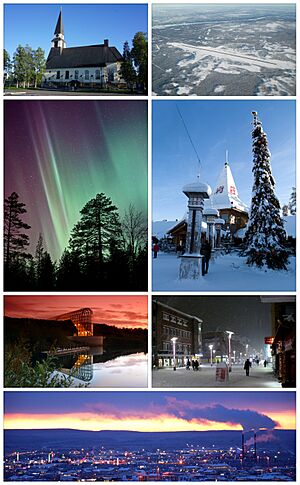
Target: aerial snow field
[
  {"x": 250, "y": 63},
  {"x": 247, "y": 50},
  {"x": 227, "y": 272}
]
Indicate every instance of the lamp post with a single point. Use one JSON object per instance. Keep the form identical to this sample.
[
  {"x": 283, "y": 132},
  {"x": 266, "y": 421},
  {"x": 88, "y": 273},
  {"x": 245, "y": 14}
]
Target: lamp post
[
  {"x": 211, "y": 354},
  {"x": 247, "y": 346},
  {"x": 229, "y": 333},
  {"x": 234, "y": 356},
  {"x": 174, "y": 340}
]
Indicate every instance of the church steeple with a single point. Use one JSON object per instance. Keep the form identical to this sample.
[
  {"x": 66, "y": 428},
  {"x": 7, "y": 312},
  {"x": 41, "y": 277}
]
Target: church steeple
[
  {"x": 58, "y": 42},
  {"x": 59, "y": 26}
]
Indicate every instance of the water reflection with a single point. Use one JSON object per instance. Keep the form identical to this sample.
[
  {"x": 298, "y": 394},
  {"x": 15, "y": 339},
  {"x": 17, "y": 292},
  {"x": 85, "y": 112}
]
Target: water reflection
[{"x": 121, "y": 371}]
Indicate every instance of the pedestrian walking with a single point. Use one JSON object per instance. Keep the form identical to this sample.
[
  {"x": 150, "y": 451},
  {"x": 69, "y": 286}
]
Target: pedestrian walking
[
  {"x": 188, "y": 364},
  {"x": 265, "y": 363},
  {"x": 196, "y": 364},
  {"x": 247, "y": 366},
  {"x": 193, "y": 364},
  {"x": 206, "y": 255}
]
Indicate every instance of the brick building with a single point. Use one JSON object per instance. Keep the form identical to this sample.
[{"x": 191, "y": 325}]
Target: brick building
[{"x": 167, "y": 323}]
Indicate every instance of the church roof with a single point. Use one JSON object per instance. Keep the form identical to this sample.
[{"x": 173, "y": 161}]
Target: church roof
[
  {"x": 59, "y": 29},
  {"x": 226, "y": 195},
  {"x": 86, "y": 56}
]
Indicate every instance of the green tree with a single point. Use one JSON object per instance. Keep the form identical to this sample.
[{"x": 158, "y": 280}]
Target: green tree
[
  {"x": 265, "y": 235},
  {"x": 139, "y": 53},
  {"x": 23, "y": 62},
  {"x": 128, "y": 72},
  {"x": 6, "y": 65},
  {"x": 15, "y": 240},
  {"x": 39, "y": 62}
]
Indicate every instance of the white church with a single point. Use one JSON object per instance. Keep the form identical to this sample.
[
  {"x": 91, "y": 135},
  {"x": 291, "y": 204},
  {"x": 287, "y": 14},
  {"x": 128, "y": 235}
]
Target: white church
[{"x": 85, "y": 66}]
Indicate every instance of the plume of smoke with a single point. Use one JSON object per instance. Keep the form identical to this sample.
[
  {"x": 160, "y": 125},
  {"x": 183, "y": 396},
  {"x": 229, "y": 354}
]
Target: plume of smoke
[
  {"x": 262, "y": 438},
  {"x": 247, "y": 418}
]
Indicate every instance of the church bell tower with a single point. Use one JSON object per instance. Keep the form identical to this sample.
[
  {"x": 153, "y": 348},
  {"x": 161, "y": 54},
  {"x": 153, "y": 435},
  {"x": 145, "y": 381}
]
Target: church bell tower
[{"x": 58, "y": 42}]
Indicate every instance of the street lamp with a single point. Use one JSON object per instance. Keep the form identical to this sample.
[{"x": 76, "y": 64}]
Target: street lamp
[
  {"x": 229, "y": 333},
  {"x": 211, "y": 354},
  {"x": 247, "y": 345},
  {"x": 174, "y": 340},
  {"x": 234, "y": 356}
]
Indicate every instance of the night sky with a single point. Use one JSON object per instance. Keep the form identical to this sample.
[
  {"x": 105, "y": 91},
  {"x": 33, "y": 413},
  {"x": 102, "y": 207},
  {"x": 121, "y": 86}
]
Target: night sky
[
  {"x": 120, "y": 310},
  {"x": 60, "y": 154},
  {"x": 245, "y": 315},
  {"x": 150, "y": 411}
]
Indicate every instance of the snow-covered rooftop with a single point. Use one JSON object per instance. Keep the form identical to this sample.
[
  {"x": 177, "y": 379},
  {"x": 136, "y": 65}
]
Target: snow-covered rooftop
[
  {"x": 226, "y": 195},
  {"x": 197, "y": 187}
]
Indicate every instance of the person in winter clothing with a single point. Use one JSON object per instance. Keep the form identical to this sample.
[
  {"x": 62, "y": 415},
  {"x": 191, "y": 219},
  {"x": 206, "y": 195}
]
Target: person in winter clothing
[
  {"x": 206, "y": 255},
  {"x": 155, "y": 250},
  {"x": 247, "y": 366}
]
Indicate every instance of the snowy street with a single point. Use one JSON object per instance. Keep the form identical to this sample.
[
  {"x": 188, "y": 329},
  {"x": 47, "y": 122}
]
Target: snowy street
[
  {"x": 227, "y": 272},
  {"x": 206, "y": 377}
]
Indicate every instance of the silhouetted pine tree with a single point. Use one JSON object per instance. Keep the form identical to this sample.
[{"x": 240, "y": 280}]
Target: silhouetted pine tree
[{"x": 16, "y": 242}]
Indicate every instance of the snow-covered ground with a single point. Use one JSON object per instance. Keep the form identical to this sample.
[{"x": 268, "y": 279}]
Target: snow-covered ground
[
  {"x": 206, "y": 377},
  {"x": 245, "y": 61},
  {"x": 227, "y": 272}
]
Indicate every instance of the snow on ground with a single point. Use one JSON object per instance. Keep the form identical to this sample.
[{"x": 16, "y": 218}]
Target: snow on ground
[
  {"x": 206, "y": 377},
  {"x": 245, "y": 61},
  {"x": 228, "y": 272},
  {"x": 219, "y": 88},
  {"x": 183, "y": 90}
]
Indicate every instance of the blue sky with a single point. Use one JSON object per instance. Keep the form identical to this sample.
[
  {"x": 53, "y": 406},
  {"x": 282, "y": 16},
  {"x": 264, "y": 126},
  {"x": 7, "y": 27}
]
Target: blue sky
[
  {"x": 86, "y": 24},
  {"x": 217, "y": 126}
]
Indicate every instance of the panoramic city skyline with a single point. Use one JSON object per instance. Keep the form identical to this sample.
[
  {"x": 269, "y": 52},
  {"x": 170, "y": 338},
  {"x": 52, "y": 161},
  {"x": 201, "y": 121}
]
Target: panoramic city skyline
[
  {"x": 152, "y": 412},
  {"x": 122, "y": 311},
  {"x": 60, "y": 154}
]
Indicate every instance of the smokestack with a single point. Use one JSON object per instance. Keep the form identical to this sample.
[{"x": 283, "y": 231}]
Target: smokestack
[
  {"x": 243, "y": 446},
  {"x": 106, "y": 42},
  {"x": 255, "y": 446}
]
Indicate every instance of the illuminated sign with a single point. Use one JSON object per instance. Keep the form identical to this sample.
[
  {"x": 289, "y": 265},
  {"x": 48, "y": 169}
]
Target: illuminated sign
[{"x": 269, "y": 340}]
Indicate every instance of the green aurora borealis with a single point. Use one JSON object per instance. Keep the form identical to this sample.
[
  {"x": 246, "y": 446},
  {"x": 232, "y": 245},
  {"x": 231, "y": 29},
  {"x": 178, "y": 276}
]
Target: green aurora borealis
[{"x": 60, "y": 154}]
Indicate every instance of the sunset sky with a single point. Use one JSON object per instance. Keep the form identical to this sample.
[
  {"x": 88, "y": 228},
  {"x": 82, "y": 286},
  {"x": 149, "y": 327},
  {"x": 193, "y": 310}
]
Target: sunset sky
[
  {"x": 122, "y": 311},
  {"x": 150, "y": 411}
]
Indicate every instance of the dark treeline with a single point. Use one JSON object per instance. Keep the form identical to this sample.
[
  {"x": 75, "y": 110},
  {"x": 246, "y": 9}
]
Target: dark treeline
[{"x": 105, "y": 253}]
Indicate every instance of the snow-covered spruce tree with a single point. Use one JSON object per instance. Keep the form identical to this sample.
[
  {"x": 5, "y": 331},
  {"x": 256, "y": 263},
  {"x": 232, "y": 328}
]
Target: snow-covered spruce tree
[
  {"x": 265, "y": 235},
  {"x": 292, "y": 202}
]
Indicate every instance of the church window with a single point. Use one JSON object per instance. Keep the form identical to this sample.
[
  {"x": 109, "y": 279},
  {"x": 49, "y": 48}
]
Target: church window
[
  {"x": 76, "y": 74},
  {"x": 97, "y": 73},
  {"x": 86, "y": 75},
  {"x": 58, "y": 75},
  {"x": 67, "y": 75}
]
